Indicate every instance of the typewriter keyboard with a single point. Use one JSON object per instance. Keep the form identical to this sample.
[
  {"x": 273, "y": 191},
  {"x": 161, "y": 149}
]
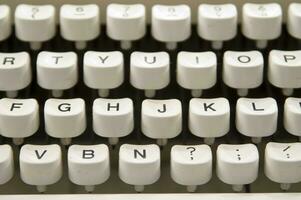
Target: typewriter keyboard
[{"x": 174, "y": 101}]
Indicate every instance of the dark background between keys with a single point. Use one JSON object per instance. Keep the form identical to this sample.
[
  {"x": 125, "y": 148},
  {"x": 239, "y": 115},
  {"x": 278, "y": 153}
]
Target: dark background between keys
[{"x": 148, "y": 44}]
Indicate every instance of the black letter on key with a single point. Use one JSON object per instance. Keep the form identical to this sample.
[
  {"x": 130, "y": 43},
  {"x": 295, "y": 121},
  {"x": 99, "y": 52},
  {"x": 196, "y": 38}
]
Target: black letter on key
[
  {"x": 163, "y": 110},
  {"x": 116, "y": 107},
  {"x": 206, "y": 107},
  {"x": 256, "y": 109},
  {"x": 15, "y": 105},
  {"x": 67, "y": 107},
  {"x": 289, "y": 57},
  {"x": 57, "y": 59},
  {"x": 88, "y": 154},
  {"x": 40, "y": 156},
  {"x": 244, "y": 59},
  {"x": 10, "y": 60},
  {"x": 197, "y": 60},
  {"x": 150, "y": 62},
  {"x": 103, "y": 60},
  {"x": 142, "y": 155}
]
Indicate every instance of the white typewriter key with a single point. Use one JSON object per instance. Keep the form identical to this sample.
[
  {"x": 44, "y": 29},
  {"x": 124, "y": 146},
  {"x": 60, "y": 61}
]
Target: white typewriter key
[
  {"x": 191, "y": 165},
  {"x": 80, "y": 23},
  {"x": 261, "y": 22},
  {"x": 41, "y": 165},
  {"x": 237, "y": 165},
  {"x": 217, "y": 23},
  {"x": 282, "y": 163},
  {"x": 292, "y": 116},
  {"x": 171, "y": 24},
  {"x": 65, "y": 118},
  {"x": 243, "y": 70},
  {"x": 126, "y": 23},
  {"x": 35, "y": 24},
  {"x": 256, "y": 117},
  {"x": 57, "y": 71},
  {"x": 15, "y": 72},
  {"x": 294, "y": 20},
  {"x": 149, "y": 71},
  {"x": 285, "y": 70},
  {"x": 103, "y": 71},
  {"x": 209, "y": 118},
  {"x": 196, "y": 71},
  {"x": 6, "y": 163},
  {"x": 19, "y": 118},
  {"x": 139, "y": 165},
  {"x": 161, "y": 119},
  {"x": 113, "y": 118},
  {"x": 5, "y": 22},
  {"x": 88, "y": 165}
]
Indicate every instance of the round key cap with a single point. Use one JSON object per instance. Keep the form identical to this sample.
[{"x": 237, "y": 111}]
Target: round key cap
[
  {"x": 292, "y": 116},
  {"x": 6, "y": 163},
  {"x": 161, "y": 119},
  {"x": 256, "y": 118},
  {"x": 237, "y": 165},
  {"x": 57, "y": 71},
  {"x": 209, "y": 118},
  {"x": 243, "y": 70},
  {"x": 261, "y": 22},
  {"x": 65, "y": 118},
  {"x": 196, "y": 71},
  {"x": 282, "y": 163},
  {"x": 41, "y": 165},
  {"x": 285, "y": 70},
  {"x": 191, "y": 165},
  {"x": 35, "y": 23},
  {"x": 15, "y": 72},
  {"x": 139, "y": 165},
  {"x": 88, "y": 165},
  {"x": 5, "y": 22},
  {"x": 126, "y": 23},
  {"x": 80, "y": 23},
  {"x": 113, "y": 118},
  {"x": 149, "y": 71},
  {"x": 19, "y": 118},
  {"x": 171, "y": 24},
  {"x": 294, "y": 20},
  {"x": 217, "y": 23},
  {"x": 103, "y": 71}
]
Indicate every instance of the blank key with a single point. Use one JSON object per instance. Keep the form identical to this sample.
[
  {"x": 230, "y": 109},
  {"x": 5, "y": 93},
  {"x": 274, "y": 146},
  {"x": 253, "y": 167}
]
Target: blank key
[
  {"x": 5, "y": 22},
  {"x": 6, "y": 163}
]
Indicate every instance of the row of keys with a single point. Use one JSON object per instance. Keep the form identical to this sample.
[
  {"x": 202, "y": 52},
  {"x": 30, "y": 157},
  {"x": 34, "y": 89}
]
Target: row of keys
[
  {"x": 196, "y": 71},
  {"x": 139, "y": 165},
  {"x": 160, "y": 119},
  {"x": 170, "y": 24}
]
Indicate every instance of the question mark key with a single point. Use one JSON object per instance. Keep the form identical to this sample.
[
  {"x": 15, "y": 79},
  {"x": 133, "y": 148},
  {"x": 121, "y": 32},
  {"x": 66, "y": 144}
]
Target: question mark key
[{"x": 191, "y": 165}]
